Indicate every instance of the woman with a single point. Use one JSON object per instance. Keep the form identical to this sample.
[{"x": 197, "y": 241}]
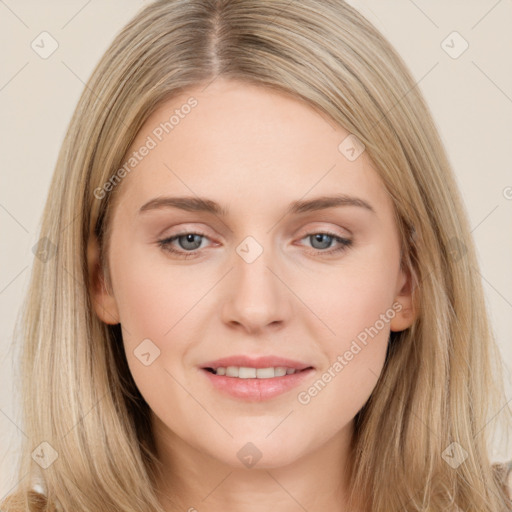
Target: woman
[{"x": 192, "y": 344}]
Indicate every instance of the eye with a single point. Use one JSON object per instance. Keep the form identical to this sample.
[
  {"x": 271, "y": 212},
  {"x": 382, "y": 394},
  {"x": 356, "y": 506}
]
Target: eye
[
  {"x": 190, "y": 243},
  {"x": 323, "y": 240}
]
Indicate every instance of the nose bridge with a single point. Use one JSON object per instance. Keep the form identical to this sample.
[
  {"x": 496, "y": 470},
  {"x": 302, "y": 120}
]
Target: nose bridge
[
  {"x": 254, "y": 279},
  {"x": 257, "y": 297}
]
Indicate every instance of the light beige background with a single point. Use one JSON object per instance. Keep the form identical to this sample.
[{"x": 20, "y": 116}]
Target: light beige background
[{"x": 470, "y": 97}]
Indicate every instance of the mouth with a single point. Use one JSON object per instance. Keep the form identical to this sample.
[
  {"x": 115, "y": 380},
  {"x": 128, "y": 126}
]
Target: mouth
[
  {"x": 251, "y": 384},
  {"x": 246, "y": 372}
]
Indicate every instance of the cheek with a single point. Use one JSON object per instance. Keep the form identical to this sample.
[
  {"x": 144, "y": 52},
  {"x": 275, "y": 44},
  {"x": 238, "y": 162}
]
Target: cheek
[
  {"x": 351, "y": 298},
  {"x": 356, "y": 311},
  {"x": 153, "y": 296},
  {"x": 355, "y": 356},
  {"x": 156, "y": 304}
]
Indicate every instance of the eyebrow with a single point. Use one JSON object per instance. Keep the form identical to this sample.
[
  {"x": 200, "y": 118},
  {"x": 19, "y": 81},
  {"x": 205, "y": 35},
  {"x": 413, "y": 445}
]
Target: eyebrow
[{"x": 202, "y": 204}]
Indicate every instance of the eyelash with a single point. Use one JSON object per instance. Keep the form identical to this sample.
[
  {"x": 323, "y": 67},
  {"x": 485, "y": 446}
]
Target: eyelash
[{"x": 165, "y": 244}]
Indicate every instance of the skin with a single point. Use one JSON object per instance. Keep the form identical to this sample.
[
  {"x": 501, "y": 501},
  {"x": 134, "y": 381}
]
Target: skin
[{"x": 253, "y": 151}]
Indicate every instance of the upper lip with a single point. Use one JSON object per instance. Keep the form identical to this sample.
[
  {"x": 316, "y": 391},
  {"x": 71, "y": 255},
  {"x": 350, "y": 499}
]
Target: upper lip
[{"x": 256, "y": 362}]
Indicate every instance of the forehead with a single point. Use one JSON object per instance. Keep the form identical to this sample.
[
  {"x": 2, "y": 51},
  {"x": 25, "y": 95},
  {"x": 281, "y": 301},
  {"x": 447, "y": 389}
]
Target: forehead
[{"x": 236, "y": 140}]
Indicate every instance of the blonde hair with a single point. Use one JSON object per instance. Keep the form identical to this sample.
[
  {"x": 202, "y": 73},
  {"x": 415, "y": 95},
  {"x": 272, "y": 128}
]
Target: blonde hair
[{"x": 442, "y": 380}]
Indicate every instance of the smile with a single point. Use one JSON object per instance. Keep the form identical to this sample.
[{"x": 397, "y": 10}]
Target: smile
[
  {"x": 244, "y": 372},
  {"x": 255, "y": 384}
]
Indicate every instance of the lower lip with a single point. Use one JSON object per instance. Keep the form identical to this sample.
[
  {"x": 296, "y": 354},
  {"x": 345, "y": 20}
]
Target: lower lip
[{"x": 257, "y": 390}]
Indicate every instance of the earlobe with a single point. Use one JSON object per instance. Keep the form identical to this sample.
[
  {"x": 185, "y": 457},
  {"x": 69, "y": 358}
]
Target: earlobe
[
  {"x": 103, "y": 300},
  {"x": 406, "y": 313}
]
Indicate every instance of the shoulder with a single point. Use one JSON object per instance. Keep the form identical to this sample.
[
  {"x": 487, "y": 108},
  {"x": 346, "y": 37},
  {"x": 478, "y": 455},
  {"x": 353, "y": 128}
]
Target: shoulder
[
  {"x": 39, "y": 487},
  {"x": 502, "y": 469},
  {"x": 36, "y": 496},
  {"x": 508, "y": 481},
  {"x": 504, "y": 473}
]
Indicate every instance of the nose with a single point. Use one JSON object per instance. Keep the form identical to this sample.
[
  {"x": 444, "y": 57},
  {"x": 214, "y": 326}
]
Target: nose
[{"x": 257, "y": 298}]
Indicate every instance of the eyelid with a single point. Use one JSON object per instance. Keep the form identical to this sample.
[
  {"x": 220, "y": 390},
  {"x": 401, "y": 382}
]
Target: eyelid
[
  {"x": 343, "y": 242},
  {"x": 327, "y": 227},
  {"x": 185, "y": 229}
]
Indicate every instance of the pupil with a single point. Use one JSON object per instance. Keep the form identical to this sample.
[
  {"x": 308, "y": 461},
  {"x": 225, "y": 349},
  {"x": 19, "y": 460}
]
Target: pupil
[
  {"x": 190, "y": 238},
  {"x": 318, "y": 237}
]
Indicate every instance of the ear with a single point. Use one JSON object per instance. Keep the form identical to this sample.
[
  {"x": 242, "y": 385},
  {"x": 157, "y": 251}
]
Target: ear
[
  {"x": 103, "y": 299},
  {"x": 407, "y": 313}
]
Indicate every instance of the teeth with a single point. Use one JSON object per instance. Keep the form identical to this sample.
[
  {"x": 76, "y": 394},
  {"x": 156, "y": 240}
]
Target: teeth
[{"x": 244, "y": 372}]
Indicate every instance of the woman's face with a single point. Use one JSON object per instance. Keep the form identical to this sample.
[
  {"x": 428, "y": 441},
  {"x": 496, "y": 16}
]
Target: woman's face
[{"x": 267, "y": 270}]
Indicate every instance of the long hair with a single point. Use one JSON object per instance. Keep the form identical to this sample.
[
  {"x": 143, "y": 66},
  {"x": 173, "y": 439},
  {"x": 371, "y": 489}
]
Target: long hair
[{"x": 442, "y": 379}]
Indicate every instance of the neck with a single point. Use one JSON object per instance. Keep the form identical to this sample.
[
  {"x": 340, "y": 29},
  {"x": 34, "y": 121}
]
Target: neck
[{"x": 193, "y": 480}]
